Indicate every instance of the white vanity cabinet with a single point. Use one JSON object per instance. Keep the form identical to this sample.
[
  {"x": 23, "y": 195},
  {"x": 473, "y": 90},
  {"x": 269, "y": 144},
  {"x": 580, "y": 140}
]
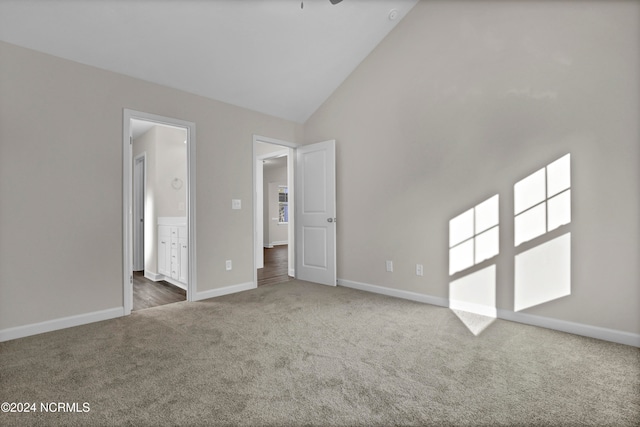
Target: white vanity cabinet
[{"x": 173, "y": 254}]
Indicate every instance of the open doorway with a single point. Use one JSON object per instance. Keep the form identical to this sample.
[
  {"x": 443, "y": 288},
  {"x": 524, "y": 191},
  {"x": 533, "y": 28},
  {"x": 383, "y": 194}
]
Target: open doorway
[
  {"x": 160, "y": 250},
  {"x": 158, "y": 210},
  {"x": 274, "y": 211},
  {"x": 312, "y": 194},
  {"x": 275, "y": 220}
]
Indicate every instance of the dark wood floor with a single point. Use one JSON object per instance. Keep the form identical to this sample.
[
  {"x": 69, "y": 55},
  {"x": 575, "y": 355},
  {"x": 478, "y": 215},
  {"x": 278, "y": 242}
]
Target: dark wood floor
[
  {"x": 276, "y": 269},
  {"x": 147, "y": 293}
]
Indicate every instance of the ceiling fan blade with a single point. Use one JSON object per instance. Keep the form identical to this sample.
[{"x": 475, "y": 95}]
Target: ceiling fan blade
[{"x": 335, "y": 1}]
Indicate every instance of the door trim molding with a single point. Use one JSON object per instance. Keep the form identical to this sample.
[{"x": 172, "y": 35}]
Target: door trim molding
[
  {"x": 143, "y": 158},
  {"x": 127, "y": 199}
]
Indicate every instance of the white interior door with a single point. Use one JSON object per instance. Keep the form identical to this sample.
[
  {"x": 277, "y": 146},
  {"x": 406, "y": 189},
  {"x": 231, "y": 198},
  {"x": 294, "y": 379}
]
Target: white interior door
[{"x": 315, "y": 210}]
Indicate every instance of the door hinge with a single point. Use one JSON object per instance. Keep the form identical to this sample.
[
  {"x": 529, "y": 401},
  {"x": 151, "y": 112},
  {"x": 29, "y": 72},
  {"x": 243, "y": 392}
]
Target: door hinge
[
  {"x": 131, "y": 279},
  {"x": 130, "y": 140}
]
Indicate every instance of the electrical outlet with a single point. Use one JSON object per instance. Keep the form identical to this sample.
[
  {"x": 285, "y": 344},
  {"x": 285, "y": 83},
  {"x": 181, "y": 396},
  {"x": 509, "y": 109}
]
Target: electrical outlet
[
  {"x": 236, "y": 204},
  {"x": 389, "y": 265},
  {"x": 228, "y": 265},
  {"x": 419, "y": 270}
]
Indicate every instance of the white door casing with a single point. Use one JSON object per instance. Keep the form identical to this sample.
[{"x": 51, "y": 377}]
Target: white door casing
[
  {"x": 259, "y": 209},
  {"x": 315, "y": 208},
  {"x": 138, "y": 211}
]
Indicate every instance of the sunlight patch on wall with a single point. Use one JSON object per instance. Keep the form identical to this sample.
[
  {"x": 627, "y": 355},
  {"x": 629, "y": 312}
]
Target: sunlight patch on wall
[
  {"x": 542, "y": 240},
  {"x": 543, "y": 273},
  {"x": 474, "y": 235},
  {"x": 474, "y": 238},
  {"x": 542, "y": 201}
]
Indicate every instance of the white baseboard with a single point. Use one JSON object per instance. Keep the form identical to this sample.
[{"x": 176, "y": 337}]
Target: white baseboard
[
  {"x": 156, "y": 277},
  {"x": 292, "y": 272},
  {"x": 212, "y": 293},
  {"x": 174, "y": 282},
  {"x": 62, "y": 323},
  {"x": 279, "y": 243},
  {"x": 612, "y": 335},
  {"x": 605, "y": 334},
  {"x": 413, "y": 296},
  {"x": 597, "y": 332}
]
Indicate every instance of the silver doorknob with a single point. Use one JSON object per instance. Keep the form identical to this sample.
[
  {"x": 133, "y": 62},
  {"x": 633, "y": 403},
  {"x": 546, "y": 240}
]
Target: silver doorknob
[{"x": 329, "y": 219}]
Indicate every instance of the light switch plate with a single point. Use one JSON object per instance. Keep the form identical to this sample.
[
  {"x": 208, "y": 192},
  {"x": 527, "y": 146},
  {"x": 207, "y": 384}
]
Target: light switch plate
[
  {"x": 236, "y": 204},
  {"x": 389, "y": 265}
]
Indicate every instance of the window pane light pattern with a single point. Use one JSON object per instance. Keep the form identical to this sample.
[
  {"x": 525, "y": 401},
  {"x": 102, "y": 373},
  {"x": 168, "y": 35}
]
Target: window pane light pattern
[
  {"x": 542, "y": 201},
  {"x": 474, "y": 235},
  {"x": 543, "y": 273}
]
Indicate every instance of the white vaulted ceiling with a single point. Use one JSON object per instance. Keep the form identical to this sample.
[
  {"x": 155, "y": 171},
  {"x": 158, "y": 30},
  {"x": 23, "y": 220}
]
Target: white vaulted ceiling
[{"x": 270, "y": 56}]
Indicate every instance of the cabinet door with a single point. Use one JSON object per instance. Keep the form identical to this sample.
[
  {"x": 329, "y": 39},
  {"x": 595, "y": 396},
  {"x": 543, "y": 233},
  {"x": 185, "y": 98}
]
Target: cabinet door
[
  {"x": 164, "y": 256},
  {"x": 175, "y": 263},
  {"x": 184, "y": 261}
]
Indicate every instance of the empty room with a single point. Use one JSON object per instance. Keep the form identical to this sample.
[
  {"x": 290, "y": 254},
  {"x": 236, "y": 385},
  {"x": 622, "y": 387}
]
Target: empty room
[{"x": 452, "y": 186}]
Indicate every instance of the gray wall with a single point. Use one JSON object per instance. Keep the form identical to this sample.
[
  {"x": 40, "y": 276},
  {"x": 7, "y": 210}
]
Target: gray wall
[
  {"x": 171, "y": 163},
  {"x": 61, "y": 184},
  {"x": 464, "y": 99}
]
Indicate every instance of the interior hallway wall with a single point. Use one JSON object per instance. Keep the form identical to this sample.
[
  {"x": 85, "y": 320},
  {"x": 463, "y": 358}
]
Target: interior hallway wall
[
  {"x": 462, "y": 100},
  {"x": 171, "y": 163},
  {"x": 273, "y": 178}
]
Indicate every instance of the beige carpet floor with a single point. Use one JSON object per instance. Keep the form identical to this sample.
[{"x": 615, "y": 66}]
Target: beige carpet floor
[{"x": 301, "y": 354}]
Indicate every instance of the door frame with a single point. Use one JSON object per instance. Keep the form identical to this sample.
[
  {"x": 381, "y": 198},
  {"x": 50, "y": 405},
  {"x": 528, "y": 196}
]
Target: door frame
[
  {"x": 290, "y": 182},
  {"x": 127, "y": 200},
  {"x": 139, "y": 190}
]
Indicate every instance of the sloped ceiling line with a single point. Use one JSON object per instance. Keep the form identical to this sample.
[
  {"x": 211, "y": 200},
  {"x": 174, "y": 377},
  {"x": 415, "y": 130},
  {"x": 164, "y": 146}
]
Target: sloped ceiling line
[{"x": 265, "y": 55}]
